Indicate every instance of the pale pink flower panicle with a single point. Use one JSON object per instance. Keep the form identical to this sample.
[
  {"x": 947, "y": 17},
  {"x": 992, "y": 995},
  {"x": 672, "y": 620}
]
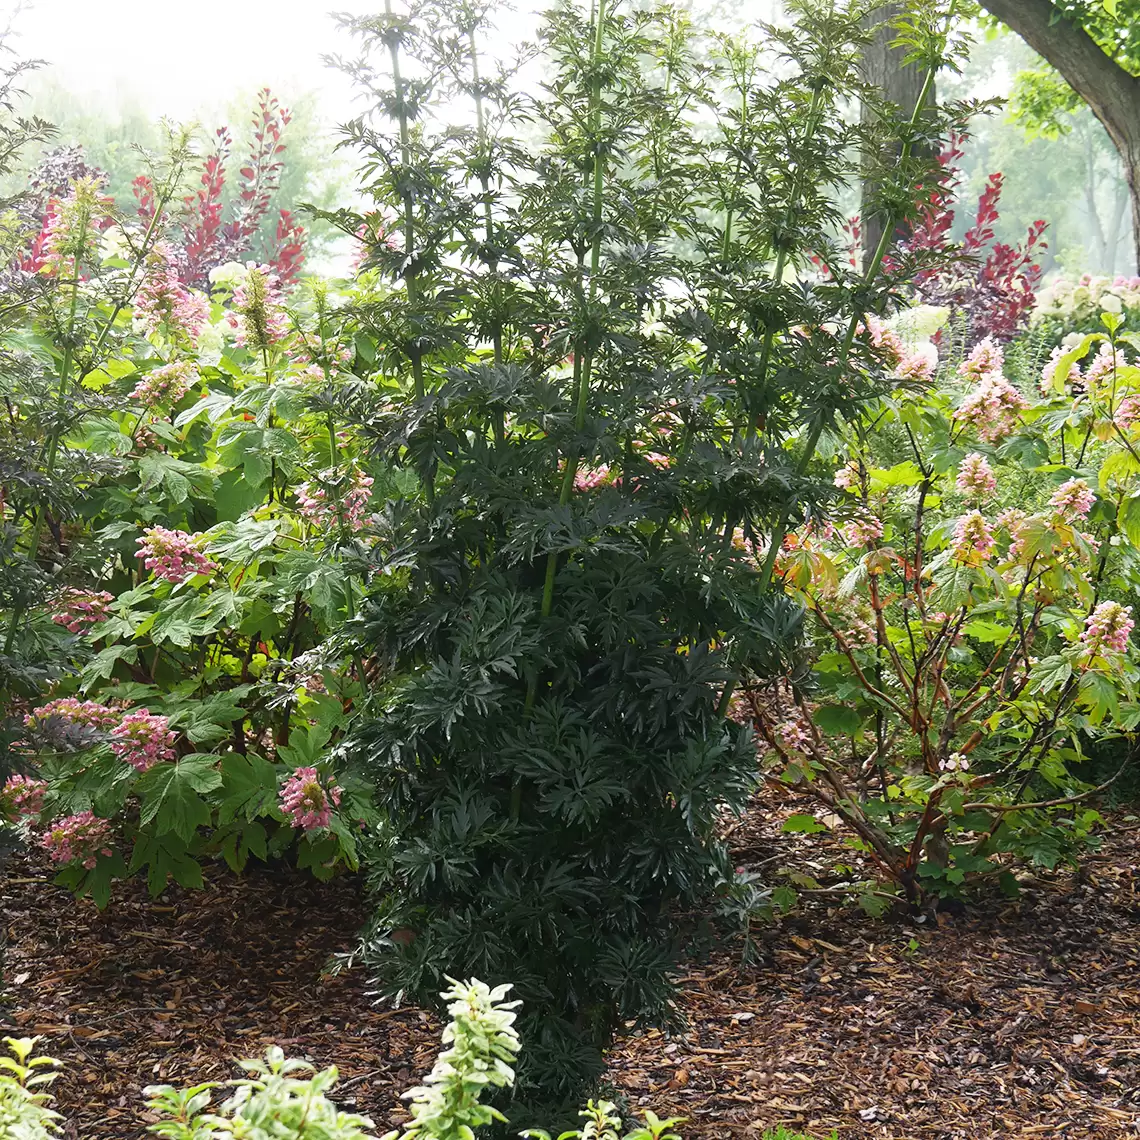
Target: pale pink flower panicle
[
  {"x": 590, "y": 478},
  {"x": 1103, "y": 367},
  {"x": 1073, "y": 499},
  {"x": 143, "y": 740},
  {"x": 976, "y": 477},
  {"x": 259, "y": 303},
  {"x": 993, "y": 407},
  {"x": 166, "y": 385},
  {"x": 863, "y": 532},
  {"x": 847, "y": 477},
  {"x": 887, "y": 341},
  {"x": 316, "y": 504},
  {"x": 985, "y": 357},
  {"x": 22, "y": 797},
  {"x": 1047, "y": 373},
  {"x": 973, "y": 539},
  {"x": 90, "y": 714},
  {"x": 173, "y": 554},
  {"x": 1107, "y": 628},
  {"x": 1127, "y": 413},
  {"x": 80, "y": 838},
  {"x": 307, "y": 801},
  {"x": 163, "y": 301},
  {"x": 77, "y": 610}
]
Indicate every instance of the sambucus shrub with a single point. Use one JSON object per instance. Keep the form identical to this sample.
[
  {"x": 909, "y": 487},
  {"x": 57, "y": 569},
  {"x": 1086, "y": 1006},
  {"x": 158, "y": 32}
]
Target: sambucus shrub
[{"x": 609, "y": 366}]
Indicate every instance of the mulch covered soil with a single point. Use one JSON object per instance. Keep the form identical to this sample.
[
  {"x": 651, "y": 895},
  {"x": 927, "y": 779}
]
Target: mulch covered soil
[{"x": 1015, "y": 1019}]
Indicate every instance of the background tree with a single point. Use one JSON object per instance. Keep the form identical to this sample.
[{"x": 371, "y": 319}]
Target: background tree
[
  {"x": 885, "y": 68},
  {"x": 1095, "y": 46}
]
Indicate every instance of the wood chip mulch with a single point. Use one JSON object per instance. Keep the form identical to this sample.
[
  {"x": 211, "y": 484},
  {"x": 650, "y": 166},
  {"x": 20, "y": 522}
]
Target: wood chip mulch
[{"x": 1014, "y": 1019}]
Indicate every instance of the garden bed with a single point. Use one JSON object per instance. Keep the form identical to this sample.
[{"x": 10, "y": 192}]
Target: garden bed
[{"x": 1016, "y": 1019}]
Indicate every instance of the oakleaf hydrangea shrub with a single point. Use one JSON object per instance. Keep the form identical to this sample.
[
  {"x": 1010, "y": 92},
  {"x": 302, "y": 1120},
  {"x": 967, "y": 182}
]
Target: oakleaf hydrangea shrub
[
  {"x": 192, "y": 511},
  {"x": 975, "y": 648},
  {"x": 608, "y": 364}
]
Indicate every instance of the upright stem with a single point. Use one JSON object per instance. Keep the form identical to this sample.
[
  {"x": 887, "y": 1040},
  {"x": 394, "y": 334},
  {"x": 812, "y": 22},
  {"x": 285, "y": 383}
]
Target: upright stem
[
  {"x": 780, "y": 530},
  {"x": 409, "y": 205},
  {"x": 583, "y": 359}
]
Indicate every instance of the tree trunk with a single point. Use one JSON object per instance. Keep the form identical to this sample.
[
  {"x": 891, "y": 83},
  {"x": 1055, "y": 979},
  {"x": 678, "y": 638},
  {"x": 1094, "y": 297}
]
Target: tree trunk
[
  {"x": 1112, "y": 93},
  {"x": 883, "y": 68}
]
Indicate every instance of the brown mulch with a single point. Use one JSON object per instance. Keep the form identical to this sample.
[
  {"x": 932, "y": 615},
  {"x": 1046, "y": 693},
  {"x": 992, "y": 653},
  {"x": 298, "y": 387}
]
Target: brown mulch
[{"x": 1013, "y": 1019}]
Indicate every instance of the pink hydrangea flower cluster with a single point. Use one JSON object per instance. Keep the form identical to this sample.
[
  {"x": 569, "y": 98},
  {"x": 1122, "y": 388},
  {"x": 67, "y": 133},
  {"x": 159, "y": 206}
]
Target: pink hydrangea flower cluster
[
  {"x": 887, "y": 341},
  {"x": 973, "y": 539},
  {"x": 173, "y": 554},
  {"x": 89, "y": 713},
  {"x": 794, "y": 734},
  {"x": 1107, "y": 627},
  {"x": 1127, "y": 413},
  {"x": 167, "y": 384},
  {"x": 1073, "y": 499},
  {"x": 259, "y": 303},
  {"x": 847, "y": 477},
  {"x": 143, "y": 740},
  {"x": 163, "y": 301},
  {"x": 78, "y": 838},
  {"x": 71, "y": 231},
  {"x": 994, "y": 408},
  {"x": 588, "y": 478},
  {"x": 22, "y": 797},
  {"x": 1103, "y": 366},
  {"x": 307, "y": 800},
  {"x": 864, "y": 531},
  {"x": 985, "y": 357},
  {"x": 917, "y": 366},
  {"x": 1048, "y": 371},
  {"x": 319, "y": 507},
  {"x": 76, "y": 609},
  {"x": 975, "y": 476}
]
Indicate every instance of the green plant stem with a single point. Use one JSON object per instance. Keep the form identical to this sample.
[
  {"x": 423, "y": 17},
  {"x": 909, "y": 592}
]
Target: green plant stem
[
  {"x": 780, "y": 530},
  {"x": 583, "y": 361}
]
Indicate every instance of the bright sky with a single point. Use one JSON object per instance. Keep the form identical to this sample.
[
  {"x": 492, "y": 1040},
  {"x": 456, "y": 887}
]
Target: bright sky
[{"x": 177, "y": 57}]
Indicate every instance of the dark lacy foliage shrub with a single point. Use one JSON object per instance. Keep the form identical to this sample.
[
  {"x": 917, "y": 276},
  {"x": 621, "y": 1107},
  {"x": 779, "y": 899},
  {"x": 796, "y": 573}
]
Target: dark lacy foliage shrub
[{"x": 610, "y": 366}]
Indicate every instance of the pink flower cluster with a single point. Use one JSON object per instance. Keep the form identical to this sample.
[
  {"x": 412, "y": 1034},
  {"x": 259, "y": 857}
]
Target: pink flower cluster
[
  {"x": 994, "y": 408},
  {"x": 916, "y": 366},
  {"x": 319, "y": 507},
  {"x": 794, "y": 734},
  {"x": 163, "y": 301},
  {"x": 172, "y": 554},
  {"x": 588, "y": 478},
  {"x": 1050, "y": 368},
  {"x": 847, "y": 477},
  {"x": 1073, "y": 499},
  {"x": 1102, "y": 369},
  {"x": 73, "y": 224},
  {"x": 89, "y": 713},
  {"x": 986, "y": 357},
  {"x": 78, "y": 838},
  {"x": 259, "y": 317},
  {"x": 976, "y": 476},
  {"x": 864, "y": 531},
  {"x": 78, "y": 609},
  {"x": 1127, "y": 413},
  {"x": 887, "y": 341},
  {"x": 973, "y": 539},
  {"x": 22, "y": 797},
  {"x": 143, "y": 740},
  {"x": 167, "y": 384},
  {"x": 307, "y": 800},
  {"x": 1107, "y": 627}
]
